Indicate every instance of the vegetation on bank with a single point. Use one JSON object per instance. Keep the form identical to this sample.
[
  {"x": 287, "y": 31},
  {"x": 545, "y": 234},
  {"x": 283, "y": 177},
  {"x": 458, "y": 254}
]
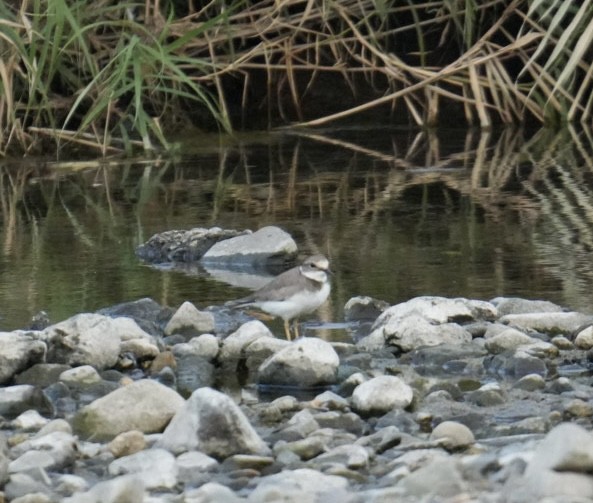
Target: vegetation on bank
[{"x": 118, "y": 74}]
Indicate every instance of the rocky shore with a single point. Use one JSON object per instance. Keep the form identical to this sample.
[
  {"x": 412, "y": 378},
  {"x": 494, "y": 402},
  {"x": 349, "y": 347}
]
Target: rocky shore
[{"x": 433, "y": 400}]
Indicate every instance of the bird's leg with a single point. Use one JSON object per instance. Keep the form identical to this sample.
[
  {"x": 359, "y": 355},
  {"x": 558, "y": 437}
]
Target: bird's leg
[
  {"x": 287, "y": 330},
  {"x": 296, "y": 328}
]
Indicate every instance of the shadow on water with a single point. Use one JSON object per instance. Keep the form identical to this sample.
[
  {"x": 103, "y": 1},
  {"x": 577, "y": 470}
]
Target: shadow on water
[{"x": 400, "y": 214}]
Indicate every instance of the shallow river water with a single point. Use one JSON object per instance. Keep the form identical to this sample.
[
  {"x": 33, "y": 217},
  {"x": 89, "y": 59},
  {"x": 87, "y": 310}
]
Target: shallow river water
[{"x": 399, "y": 213}]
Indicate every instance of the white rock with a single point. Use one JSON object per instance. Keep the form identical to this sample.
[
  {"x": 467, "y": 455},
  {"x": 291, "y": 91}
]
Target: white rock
[
  {"x": 256, "y": 247},
  {"x": 381, "y": 394},
  {"x": 301, "y": 485},
  {"x": 70, "y": 484},
  {"x": 233, "y": 345},
  {"x": 441, "y": 310},
  {"x": 212, "y": 423},
  {"x": 17, "y": 399},
  {"x": 85, "y": 374},
  {"x": 155, "y": 467},
  {"x": 59, "y": 446},
  {"x": 412, "y": 331},
  {"x": 206, "y": 345},
  {"x": 29, "y": 420},
  {"x": 548, "y": 323},
  {"x": 584, "y": 339},
  {"x": 510, "y": 338},
  {"x": 441, "y": 478},
  {"x": 32, "y": 460},
  {"x": 127, "y": 488},
  {"x": 144, "y": 405},
  {"x": 18, "y": 351},
  {"x": 84, "y": 339},
  {"x": 559, "y": 468},
  {"x": 211, "y": 492},
  {"x": 453, "y": 435},
  {"x": 188, "y": 319},
  {"x": 308, "y": 361}
]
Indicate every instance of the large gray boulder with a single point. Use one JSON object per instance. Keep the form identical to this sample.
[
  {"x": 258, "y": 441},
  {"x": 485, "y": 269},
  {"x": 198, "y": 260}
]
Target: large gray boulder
[
  {"x": 183, "y": 245},
  {"x": 144, "y": 405},
  {"x": 305, "y": 362},
  {"x": 212, "y": 423},
  {"x": 265, "y": 245},
  {"x": 18, "y": 351},
  {"x": 426, "y": 321},
  {"x": 94, "y": 339}
]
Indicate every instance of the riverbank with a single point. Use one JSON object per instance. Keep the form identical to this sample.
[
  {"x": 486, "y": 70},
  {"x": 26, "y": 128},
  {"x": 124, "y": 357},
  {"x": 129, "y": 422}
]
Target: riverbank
[{"x": 434, "y": 399}]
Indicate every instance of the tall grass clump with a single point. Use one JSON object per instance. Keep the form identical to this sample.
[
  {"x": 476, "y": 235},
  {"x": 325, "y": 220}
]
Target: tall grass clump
[
  {"x": 102, "y": 74},
  {"x": 117, "y": 74}
]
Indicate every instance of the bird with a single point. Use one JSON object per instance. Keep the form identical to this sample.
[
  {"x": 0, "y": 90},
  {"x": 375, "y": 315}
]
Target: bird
[{"x": 298, "y": 291}]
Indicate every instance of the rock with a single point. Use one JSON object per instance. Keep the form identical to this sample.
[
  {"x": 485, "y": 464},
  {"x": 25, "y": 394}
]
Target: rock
[
  {"x": 53, "y": 451},
  {"x": 29, "y": 420},
  {"x": 439, "y": 479},
  {"x": 304, "y": 448},
  {"x": 33, "y": 498},
  {"x": 144, "y": 405},
  {"x": 584, "y": 339},
  {"x": 364, "y": 308},
  {"x": 18, "y": 351},
  {"x": 193, "y": 372},
  {"x": 381, "y": 394},
  {"x": 305, "y": 362},
  {"x": 127, "y": 443},
  {"x": 268, "y": 243},
  {"x": 127, "y": 488},
  {"x": 233, "y": 346},
  {"x": 530, "y": 382},
  {"x": 205, "y": 346},
  {"x": 354, "y": 457},
  {"x": 183, "y": 245},
  {"x": 15, "y": 400},
  {"x": 514, "y": 305},
  {"x": 510, "y": 338},
  {"x": 22, "y": 484},
  {"x": 191, "y": 466},
  {"x": 559, "y": 468},
  {"x": 68, "y": 484},
  {"x": 42, "y": 374},
  {"x": 148, "y": 314},
  {"x": 212, "y": 423},
  {"x": 424, "y": 321},
  {"x": 300, "y": 485},
  {"x": 440, "y": 310},
  {"x": 156, "y": 468},
  {"x": 90, "y": 339},
  {"x": 189, "y": 320},
  {"x": 212, "y": 492},
  {"x": 548, "y": 323},
  {"x": 80, "y": 375},
  {"x": 453, "y": 435},
  {"x": 382, "y": 439}
]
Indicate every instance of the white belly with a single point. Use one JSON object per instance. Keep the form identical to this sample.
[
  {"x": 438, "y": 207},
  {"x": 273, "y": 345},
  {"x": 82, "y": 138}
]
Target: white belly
[{"x": 298, "y": 305}]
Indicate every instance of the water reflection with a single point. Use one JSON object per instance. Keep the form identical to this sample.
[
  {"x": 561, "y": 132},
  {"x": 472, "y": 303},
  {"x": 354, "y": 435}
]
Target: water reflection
[{"x": 400, "y": 213}]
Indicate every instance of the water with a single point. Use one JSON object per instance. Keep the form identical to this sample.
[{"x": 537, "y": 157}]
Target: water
[{"x": 399, "y": 213}]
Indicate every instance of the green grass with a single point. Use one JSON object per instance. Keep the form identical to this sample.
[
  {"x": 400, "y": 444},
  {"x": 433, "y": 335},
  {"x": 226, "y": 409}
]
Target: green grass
[{"x": 128, "y": 75}]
